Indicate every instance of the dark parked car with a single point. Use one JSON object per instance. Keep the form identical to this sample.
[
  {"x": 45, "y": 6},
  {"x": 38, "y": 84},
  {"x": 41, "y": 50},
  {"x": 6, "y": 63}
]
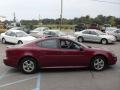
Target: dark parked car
[
  {"x": 80, "y": 27},
  {"x": 57, "y": 52},
  {"x": 94, "y": 26}
]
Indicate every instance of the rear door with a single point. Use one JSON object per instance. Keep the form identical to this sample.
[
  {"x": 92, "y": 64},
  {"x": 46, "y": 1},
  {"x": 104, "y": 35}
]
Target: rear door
[
  {"x": 86, "y": 35},
  {"x": 94, "y": 36},
  {"x": 50, "y": 53},
  {"x": 10, "y": 37}
]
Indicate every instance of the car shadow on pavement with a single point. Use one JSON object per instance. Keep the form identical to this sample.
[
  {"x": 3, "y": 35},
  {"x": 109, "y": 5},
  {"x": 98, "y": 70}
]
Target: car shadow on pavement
[
  {"x": 87, "y": 42},
  {"x": 59, "y": 70}
]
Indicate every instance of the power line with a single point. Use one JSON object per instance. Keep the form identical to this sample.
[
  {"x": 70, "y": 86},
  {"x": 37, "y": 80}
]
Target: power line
[{"x": 107, "y": 2}]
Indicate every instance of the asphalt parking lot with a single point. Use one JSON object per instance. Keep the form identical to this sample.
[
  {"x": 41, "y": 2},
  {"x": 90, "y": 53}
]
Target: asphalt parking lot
[{"x": 68, "y": 79}]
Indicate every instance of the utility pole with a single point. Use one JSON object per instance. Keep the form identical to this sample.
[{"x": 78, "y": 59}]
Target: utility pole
[
  {"x": 14, "y": 18},
  {"x": 61, "y": 15}
]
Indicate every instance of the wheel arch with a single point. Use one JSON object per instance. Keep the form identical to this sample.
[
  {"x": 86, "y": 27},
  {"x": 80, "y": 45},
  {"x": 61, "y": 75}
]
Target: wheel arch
[
  {"x": 80, "y": 37},
  {"x": 102, "y": 39},
  {"x": 106, "y": 60}
]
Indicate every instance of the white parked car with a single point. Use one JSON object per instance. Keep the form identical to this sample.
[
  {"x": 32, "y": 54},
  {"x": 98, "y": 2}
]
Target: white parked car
[
  {"x": 108, "y": 29},
  {"x": 114, "y": 32},
  {"x": 94, "y": 35},
  {"x": 16, "y": 36},
  {"x": 55, "y": 33},
  {"x": 37, "y": 30}
]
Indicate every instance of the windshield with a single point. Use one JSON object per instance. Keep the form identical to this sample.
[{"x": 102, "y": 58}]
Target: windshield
[{"x": 21, "y": 34}]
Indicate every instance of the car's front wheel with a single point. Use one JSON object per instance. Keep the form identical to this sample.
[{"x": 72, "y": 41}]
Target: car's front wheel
[
  {"x": 80, "y": 39},
  {"x": 98, "y": 63},
  {"x": 20, "y": 42},
  {"x": 104, "y": 41},
  {"x": 3, "y": 41},
  {"x": 28, "y": 65}
]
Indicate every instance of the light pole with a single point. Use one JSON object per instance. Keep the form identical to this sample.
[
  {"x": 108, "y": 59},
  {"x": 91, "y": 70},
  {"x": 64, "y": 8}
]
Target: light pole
[{"x": 61, "y": 15}]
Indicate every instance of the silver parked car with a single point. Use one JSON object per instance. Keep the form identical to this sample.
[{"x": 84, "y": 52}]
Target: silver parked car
[
  {"x": 114, "y": 32},
  {"x": 37, "y": 30},
  {"x": 55, "y": 33},
  {"x": 94, "y": 35}
]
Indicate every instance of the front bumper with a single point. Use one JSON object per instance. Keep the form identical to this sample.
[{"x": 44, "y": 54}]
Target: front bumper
[
  {"x": 113, "y": 60},
  {"x": 111, "y": 41}
]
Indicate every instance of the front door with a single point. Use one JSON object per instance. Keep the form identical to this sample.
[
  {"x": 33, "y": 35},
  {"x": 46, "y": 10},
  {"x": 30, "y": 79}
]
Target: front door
[{"x": 71, "y": 54}]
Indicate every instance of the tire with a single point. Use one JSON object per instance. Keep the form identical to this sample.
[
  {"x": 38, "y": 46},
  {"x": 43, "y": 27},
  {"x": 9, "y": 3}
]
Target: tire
[
  {"x": 3, "y": 41},
  {"x": 80, "y": 39},
  {"x": 20, "y": 42},
  {"x": 104, "y": 41},
  {"x": 116, "y": 38},
  {"x": 98, "y": 63},
  {"x": 28, "y": 65}
]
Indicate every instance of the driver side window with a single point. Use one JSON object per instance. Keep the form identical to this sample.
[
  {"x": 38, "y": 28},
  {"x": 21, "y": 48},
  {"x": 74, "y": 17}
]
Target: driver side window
[
  {"x": 93, "y": 33},
  {"x": 66, "y": 44}
]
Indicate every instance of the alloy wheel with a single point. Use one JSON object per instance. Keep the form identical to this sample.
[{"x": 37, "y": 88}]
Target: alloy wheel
[
  {"x": 28, "y": 65},
  {"x": 98, "y": 63}
]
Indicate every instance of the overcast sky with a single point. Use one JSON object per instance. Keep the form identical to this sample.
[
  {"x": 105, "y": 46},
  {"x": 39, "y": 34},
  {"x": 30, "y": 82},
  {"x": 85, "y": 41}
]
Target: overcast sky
[{"x": 30, "y": 9}]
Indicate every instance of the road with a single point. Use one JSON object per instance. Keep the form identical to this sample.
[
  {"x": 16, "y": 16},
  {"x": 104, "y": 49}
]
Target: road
[{"x": 62, "y": 79}]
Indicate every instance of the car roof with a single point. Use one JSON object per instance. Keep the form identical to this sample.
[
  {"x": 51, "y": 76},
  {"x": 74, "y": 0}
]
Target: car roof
[
  {"x": 16, "y": 30},
  {"x": 40, "y": 39},
  {"x": 53, "y": 30},
  {"x": 41, "y": 28},
  {"x": 91, "y": 30}
]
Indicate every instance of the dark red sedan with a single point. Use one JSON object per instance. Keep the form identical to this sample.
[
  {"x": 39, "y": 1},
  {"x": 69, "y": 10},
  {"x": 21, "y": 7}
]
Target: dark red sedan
[{"x": 57, "y": 52}]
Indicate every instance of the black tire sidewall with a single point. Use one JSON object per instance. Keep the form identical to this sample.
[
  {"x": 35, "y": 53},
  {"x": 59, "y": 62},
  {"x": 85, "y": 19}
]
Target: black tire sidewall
[
  {"x": 80, "y": 38},
  {"x": 4, "y": 40},
  {"x": 20, "y": 42}
]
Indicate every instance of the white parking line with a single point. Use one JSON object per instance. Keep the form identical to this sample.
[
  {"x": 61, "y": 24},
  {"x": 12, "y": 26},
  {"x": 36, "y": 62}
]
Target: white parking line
[
  {"x": 3, "y": 74},
  {"x": 38, "y": 83},
  {"x": 17, "y": 82}
]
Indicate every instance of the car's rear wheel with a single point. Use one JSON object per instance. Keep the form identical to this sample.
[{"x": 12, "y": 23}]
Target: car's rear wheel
[
  {"x": 28, "y": 65},
  {"x": 104, "y": 41},
  {"x": 20, "y": 42},
  {"x": 98, "y": 63},
  {"x": 3, "y": 41},
  {"x": 80, "y": 39}
]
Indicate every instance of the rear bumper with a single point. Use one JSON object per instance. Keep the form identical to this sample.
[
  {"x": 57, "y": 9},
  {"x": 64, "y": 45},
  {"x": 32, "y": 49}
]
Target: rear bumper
[{"x": 9, "y": 63}]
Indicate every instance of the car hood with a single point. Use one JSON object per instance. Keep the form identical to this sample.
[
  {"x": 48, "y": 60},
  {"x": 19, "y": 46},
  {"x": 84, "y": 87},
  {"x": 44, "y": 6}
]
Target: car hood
[
  {"x": 100, "y": 49},
  {"x": 107, "y": 36}
]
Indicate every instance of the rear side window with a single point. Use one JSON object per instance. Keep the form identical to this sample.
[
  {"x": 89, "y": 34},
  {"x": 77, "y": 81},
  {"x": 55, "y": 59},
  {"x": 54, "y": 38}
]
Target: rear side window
[
  {"x": 8, "y": 33},
  {"x": 93, "y": 33},
  {"x": 47, "y": 33},
  {"x": 86, "y": 32},
  {"x": 49, "y": 44}
]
